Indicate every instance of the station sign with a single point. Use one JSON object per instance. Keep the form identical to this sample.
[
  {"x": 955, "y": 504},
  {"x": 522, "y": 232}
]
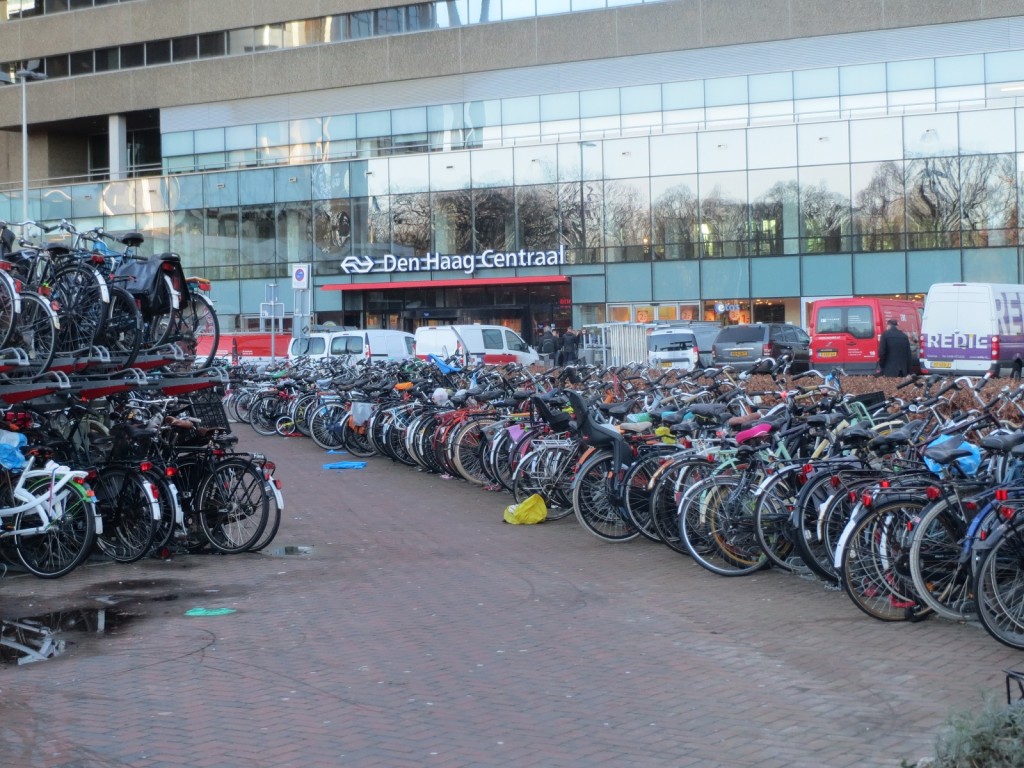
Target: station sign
[{"x": 436, "y": 262}]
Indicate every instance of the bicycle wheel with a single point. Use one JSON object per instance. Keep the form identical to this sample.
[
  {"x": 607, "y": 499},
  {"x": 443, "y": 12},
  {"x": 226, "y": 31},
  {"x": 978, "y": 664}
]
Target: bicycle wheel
[
  {"x": 668, "y": 492},
  {"x": 716, "y": 523},
  {"x": 273, "y": 515},
  {"x": 638, "y": 491},
  {"x": 999, "y": 589},
  {"x": 35, "y": 332},
  {"x": 76, "y": 293},
  {"x": 810, "y": 534},
  {"x": 123, "y": 500},
  {"x": 773, "y": 519},
  {"x": 240, "y": 404},
  {"x": 940, "y": 573},
  {"x": 468, "y": 445},
  {"x": 64, "y": 543},
  {"x": 122, "y": 331},
  {"x": 302, "y": 410},
  {"x": 356, "y": 439},
  {"x": 163, "y": 530},
  {"x": 264, "y": 413},
  {"x": 232, "y": 506},
  {"x": 8, "y": 315},
  {"x": 325, "y": 426},
  {"x": 196, "y": 332},
  {"x": 547, "y": 471},
  {"x": 874, "y": 567},
  {"x": 594, "y": 506}
]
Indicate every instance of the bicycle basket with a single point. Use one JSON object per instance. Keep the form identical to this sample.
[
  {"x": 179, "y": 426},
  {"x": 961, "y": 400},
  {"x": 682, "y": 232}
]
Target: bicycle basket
[{"x": 208, "y": 407}]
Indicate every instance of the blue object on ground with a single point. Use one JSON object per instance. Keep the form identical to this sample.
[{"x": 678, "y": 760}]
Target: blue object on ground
[
  {"x": 334, "y": 451},
  {"x": 346, "y": 465}
]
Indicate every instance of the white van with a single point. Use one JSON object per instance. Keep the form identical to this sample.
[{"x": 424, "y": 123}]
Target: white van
[
  {"x": 493, "y": 344},
  {"x": 672, "y": 348},
  {"x": 374, "y": 343},
  {"x": 969, "y": 329}
]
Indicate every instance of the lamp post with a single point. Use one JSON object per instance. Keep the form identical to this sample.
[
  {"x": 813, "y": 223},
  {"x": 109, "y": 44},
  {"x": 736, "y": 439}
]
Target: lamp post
[{"x": 25, "y": 75}]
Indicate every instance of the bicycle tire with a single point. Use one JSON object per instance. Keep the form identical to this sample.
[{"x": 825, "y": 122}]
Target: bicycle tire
[
  {"x": 122, "y": 331},
  {"x": 76, "y": 293},
  {"x": 548, "y": 472},
  {"x": 773, "y": 518},
  {"x": 35, "y": 332},
  {"x": 123, "y": 502},
  {"x": 998, "y": 588},
  {"x": 716, "y": 522},
  {"x": 356, "y": 439},
  {"x": 666, "y": 495},
  {"x": 8, "y": 312},
  {"x": 871, "y": 566},
  {"x": 595, "y": 510},
  {"x": 638, "y": 491},
  {"x": 325, "y": 426},
  {"x": 232, "y": 506},
  {"x": 468, "y": 445},
  {"x": 67, "y": 541},
  {"x": 264, "y": 413}
]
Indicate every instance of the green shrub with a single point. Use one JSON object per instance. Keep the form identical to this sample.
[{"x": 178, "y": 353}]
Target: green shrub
[{"x": 991, "y": 738}]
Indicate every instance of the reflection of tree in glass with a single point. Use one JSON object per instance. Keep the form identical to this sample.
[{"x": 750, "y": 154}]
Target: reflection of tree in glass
[
  {"x": 410, "y": 219},
  {"x": 825, "y": 214},
  {"x": 878, "y": 212},
  {"x": 627, "y": 214},
  {"x": 494, "y": 222}
]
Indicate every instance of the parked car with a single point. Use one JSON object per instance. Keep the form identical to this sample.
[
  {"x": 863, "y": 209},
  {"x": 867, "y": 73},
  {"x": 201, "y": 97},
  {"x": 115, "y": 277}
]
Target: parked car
[
  {"x": 374, "y": 343},
  {"x": 672, "y": 348},
  {"x": 743, "y": 345}
]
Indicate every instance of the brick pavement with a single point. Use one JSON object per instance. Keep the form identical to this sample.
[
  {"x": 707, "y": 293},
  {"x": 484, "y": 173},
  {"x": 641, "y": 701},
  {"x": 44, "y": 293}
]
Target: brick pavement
[{"x": 424, "y": 632}]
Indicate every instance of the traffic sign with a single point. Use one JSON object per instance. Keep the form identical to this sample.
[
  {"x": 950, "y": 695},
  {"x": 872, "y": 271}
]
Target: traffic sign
[{"x": 300, "y": 277}]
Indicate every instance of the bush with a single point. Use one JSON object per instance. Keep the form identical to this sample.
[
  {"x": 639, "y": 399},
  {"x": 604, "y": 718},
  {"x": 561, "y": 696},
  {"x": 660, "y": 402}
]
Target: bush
[{"x": 991, "y": 738}]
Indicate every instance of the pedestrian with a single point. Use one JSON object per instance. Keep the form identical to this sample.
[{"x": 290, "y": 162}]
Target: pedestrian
[
  {"x": 569, "y": 340},
  {"x": 547, "y": 346},
  {"x": 893, "y": 352},
  {"x": 559, "y": 351}
]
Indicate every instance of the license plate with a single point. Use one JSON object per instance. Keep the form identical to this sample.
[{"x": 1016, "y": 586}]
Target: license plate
[
  {"x": 739, "y": 353},
  {"x": 827, "y": 353},
  {"x": 666, "y": 364},
  {"x": 941, "y": 364}
]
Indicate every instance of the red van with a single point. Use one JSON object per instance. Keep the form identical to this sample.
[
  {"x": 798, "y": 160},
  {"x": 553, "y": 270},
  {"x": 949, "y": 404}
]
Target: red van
[{"x": 845, "y": 332}]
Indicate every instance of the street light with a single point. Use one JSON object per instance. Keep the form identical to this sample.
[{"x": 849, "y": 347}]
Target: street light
[{"x": 25, "y": 75}]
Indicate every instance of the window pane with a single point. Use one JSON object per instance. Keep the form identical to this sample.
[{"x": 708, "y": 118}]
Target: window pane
[
  {"x": 908, "y": 75},
  {"x": 816, "y": 83},
  {"x": 525, "y": 109},
  {"x": 420, "y": 16},
  {"x": 932, "y": 200},
  {"x": 332, "y": 229},
  {"x": 721, "y": 91},
  {"x": 56, "y": 66},
  {"x": 722, "y": 150},
  {"x": 241, "y": 41},
  {"x": 959, "y": 70},
  {"x": 627, "y": 211},
  {"x": 537, "y": 220},
  {"x": 108, "y": 59},
  {"x": 825, "y": 208},
  {"x": 559, "y": 106},
  {"x": 494, "y": 219},
  {"x": 212, "y": 44},
  {"x": 723, "y": 214},
  {"x": 81, "y": 63},
  {"x": 878, "y": 222},
  {"x": 863, "y": 78},
  {"x": 773, "y": 147},
  {"x": 773, "y": 87},
  {"x": 209, "y": 140},
  {"x": 986, "y": 132},
  {"x": 360, "y": 24},
  {"x": 774, "y": 212},
  {"x": 880, "y": 139},
  {"x": 988, "y": 197},
  {"x": 823, "y": 143},
  {"x": 185, "y": 48},
  {"x": 482, "y": 11},
  {"x": 930, "y": 135},
  {"x": 158, "y": 52},
  {"x": 389, "y": 21},
  {"x": 410, "y": 222},
  {"x": 452, "y": 216},
  {"x": 626, "y": 158},
  {"x": 641, "y": 98},
  {"x": 1004, "y": 67},
  {"x": 492, "y": 168},
  {"x": 518, "y": 9},
  {"x": 133, "y": 55},
  {"x": 674, "y": 154},
  {"x": 599, "y": 103}
]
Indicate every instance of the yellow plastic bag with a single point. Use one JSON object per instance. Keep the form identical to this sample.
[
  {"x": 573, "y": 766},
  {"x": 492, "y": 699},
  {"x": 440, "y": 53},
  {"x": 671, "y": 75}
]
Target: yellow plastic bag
[{"x": 529, "y": 511}]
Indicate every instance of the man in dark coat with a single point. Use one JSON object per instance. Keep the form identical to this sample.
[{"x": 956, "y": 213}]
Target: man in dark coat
[
  {"x": 569, "y": 346},
  {"x": 894, "y": 352},
  {"x": 547, "y": 346}
]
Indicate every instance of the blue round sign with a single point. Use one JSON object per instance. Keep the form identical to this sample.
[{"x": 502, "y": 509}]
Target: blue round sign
[{"x": 300, "y": 274}]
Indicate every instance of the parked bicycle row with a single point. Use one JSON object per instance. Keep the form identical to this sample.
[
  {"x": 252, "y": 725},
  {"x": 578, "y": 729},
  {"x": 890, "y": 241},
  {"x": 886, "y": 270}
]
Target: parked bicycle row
[
  {"x": 91, "y": 302},
  {"x": 912, "y": 502}
]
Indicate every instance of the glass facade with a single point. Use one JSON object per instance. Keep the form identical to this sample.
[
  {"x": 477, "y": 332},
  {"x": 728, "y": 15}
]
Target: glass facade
[{"x": 747, "y": 192}]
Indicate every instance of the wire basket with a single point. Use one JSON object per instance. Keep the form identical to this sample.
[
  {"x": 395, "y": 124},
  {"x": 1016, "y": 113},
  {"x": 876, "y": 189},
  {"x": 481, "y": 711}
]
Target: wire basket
[{"x": 208, "y": 407}]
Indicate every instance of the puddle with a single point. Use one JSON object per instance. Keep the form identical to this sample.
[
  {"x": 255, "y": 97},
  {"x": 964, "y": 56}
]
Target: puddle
[
  {"x": 296, "y": 549},
  {"x": 44, "y": 637}
]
